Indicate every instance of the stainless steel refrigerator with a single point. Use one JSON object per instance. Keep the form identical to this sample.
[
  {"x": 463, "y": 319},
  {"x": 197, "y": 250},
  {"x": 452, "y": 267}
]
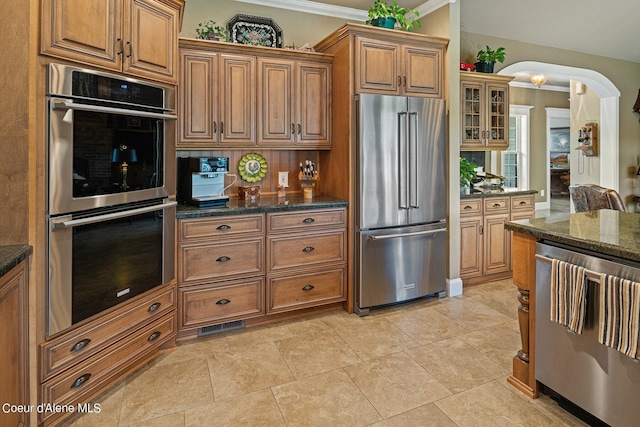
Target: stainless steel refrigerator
[{"x": 401, "y": 199}]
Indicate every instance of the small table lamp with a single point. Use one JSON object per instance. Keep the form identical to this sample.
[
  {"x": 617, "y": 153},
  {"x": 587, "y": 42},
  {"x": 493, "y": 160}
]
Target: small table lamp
[{"x": 123, "y": 155}]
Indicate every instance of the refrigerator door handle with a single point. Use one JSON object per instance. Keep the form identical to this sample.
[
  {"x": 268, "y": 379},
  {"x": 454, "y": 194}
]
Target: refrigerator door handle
[
  {"x": 416, "y": 233},
  {"x": 412, "y": 138},
  {"x": 403, "y": 161}
]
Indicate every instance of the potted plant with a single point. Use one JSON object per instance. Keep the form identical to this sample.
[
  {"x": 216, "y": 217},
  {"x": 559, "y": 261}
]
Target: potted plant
[
  {"x": 388, "y": 16},
  {"x": 467, "y": 173},
  {"x": 487, "y": 58},
  {"x": 210, "y": 31}
]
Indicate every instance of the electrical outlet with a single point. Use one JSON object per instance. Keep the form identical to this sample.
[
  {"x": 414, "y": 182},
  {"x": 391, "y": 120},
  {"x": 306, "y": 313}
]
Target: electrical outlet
[
  {"x": 541, "y": 193},
  {"x": 283, "y": 178}
]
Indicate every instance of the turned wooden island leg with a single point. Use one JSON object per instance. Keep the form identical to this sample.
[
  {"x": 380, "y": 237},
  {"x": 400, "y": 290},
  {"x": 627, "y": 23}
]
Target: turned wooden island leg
[{"x": 524, "y": 277}]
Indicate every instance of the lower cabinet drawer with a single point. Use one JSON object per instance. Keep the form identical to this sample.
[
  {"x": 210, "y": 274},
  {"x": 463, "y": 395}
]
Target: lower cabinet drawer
[
  {"x": 219, "y": 261},
  {"x": 74, "y": 346},
  {"x": 306, "y": 290},
  {"x": 306, "y": 250},
  {"x": 205, "y": 305},
  {"x": 71, "y": 386}
]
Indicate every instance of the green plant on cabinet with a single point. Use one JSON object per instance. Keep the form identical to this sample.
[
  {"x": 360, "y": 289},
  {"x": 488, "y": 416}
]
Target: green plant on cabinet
[
  {"x": 467, "y": 172},
  {"x": 384, "y": 15},
  {"x": 487, "y": 57},
  {"x": 209, "y": 30}
]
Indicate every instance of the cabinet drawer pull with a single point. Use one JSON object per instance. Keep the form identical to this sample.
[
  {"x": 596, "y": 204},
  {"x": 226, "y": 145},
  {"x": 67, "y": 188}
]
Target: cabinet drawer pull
[
  {"x": 522, "y": 203},
  {"x": 121, "y": 51},
  {"x": 154, "y": 336},
  {"x": 215, "y": 127},
  {"x": 299, "y": 129},
  {"x": 308, "y": 249},
  {"x": 153, "y": 307},
  {"x": 308, "y": 220},
  {"x": 308, "y": 287},
  {"x": 223, "y": 227},
  {"x": 496, "y": 205},
  {"x": 80, "y": 345},
  {"x": 130, "y": 49},
  {"x": 404, "y": 81},
  {"x": 223, "y": 301},
  {"x": 468, "y": 208},
  {"x": 293, "y": 128},
  {"x": 81, "y": 380},
  {"x": 223, "y": 259},
  {"x": 399, "y": 81},
  {"x": 222, "y": 127}
]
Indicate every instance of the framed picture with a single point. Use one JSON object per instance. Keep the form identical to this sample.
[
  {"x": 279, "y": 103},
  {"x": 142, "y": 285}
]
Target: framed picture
[
  {"x": 559, "y": 139},
  {"x": 254, "y": 30}
]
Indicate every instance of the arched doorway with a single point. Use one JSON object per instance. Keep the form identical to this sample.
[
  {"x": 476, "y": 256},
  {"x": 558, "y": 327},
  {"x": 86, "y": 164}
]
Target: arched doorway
[{"x": 609, "y": 109}]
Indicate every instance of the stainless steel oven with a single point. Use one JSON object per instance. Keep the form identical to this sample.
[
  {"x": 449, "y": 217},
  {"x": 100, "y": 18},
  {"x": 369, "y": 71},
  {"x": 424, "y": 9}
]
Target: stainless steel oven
[
  {"x": 99, "y": 259},
  {"x": 111, "y": 188},
  {"x": 111, "y": 139}
]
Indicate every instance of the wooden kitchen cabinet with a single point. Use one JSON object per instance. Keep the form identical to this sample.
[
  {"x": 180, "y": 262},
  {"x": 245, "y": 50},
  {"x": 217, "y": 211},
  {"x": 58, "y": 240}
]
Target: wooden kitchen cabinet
[
  {"x": 220, "y": 270},
  {"x": 84, "y": 361},
  {"x": 392, "y": 67},
  {"x": 293, "y": 103},
  {"x": 216, "y": 100},
  {"x": 484, "y": 111},
  {"x": 14, "y": 341},
  {"x": 198, "y": 98},
  {"x": 137, "y": 37},
  {"x": 306, "y": 259},
  {"x": 238, "y": 96},
  {"x": 485, "y": 244}
]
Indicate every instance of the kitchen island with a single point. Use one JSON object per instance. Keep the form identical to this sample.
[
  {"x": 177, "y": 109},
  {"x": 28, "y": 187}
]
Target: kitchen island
[{"x": 603, "y": 239}]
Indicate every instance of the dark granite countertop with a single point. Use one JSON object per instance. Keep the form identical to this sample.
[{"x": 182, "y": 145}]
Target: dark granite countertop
[
  {"x": 605, "y": 231},
  {"x": 478, "y": 193},
  {"x": 266, "y": 204},
  {"x": 12, "y": 255}
]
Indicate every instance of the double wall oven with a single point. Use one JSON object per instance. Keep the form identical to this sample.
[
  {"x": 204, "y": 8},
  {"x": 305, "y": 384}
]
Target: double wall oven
[{"x": 111, "y": 191}]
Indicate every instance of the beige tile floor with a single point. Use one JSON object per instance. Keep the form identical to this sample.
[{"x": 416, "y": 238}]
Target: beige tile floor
[{"x": 425, "y": 363}]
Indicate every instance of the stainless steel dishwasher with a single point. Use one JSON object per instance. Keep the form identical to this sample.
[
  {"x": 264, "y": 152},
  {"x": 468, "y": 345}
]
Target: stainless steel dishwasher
[{"x": 598, "y": 379}]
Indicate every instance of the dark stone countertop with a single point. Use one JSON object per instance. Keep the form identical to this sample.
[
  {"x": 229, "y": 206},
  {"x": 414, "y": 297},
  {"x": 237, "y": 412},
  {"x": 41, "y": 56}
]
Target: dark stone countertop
[
  {"x": 608, "y": 232},
  {"x": 479, "y": 193},
  {"x": 266, "y": 204},
  {"x": 12, "y": 255}
]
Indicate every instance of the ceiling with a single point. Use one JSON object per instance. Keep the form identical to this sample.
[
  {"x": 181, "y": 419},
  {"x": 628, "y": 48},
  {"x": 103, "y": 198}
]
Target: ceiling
[{"x": 599, "y": 27}]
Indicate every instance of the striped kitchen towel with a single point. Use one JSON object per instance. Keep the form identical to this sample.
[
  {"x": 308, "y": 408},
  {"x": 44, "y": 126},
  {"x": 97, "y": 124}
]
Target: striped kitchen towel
[
  {"x": 619, "y": 322},
  {"x": 568, "y": 295}
]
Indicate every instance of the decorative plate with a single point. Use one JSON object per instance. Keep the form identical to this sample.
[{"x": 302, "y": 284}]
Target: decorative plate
[
  {"x": 252, "y": 167},
  {"x": 254, "y": 30}
]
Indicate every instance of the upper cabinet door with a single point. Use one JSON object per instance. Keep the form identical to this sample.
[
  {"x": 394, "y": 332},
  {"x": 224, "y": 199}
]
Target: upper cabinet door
[
  {"x": 276, "y": 125},
  {"x": 198, "y": 98},
  {"x": 87, "y": 31},
  {"x": 313, "y": 118},
  {"x": 497, "y": 116},
  {"x": 377, "y": 66},
  {"x": 137, "y": 37},
  {"x": 151, "y": 39},
  {"x": 422, "y": 71},
  {"x": 237, "y": 99},
  {"x": 473, "y": 117}
]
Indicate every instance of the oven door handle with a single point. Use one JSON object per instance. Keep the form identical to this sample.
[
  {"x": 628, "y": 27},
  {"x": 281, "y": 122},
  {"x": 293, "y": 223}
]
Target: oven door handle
[
  {"x": 64, "y": 105},
  {"x": 110, "y": 216}
]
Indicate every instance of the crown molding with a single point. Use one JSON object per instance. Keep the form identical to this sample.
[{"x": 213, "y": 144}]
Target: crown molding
[
  {"x": 432, "y": 5},
  {"x": 334, "y": 11},
  {"x": 315, "y": 7}
]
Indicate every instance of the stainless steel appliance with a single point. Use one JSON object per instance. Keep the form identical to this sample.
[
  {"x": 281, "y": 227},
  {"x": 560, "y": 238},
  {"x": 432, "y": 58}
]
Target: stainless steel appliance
[
  {"x": 596, "y": 378},
  {"x": 111, "y": 139},
  {"x": 201, "y": 181},
  {"x": 401, "y": 199},
  {"x": 111, "y": 186}
]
